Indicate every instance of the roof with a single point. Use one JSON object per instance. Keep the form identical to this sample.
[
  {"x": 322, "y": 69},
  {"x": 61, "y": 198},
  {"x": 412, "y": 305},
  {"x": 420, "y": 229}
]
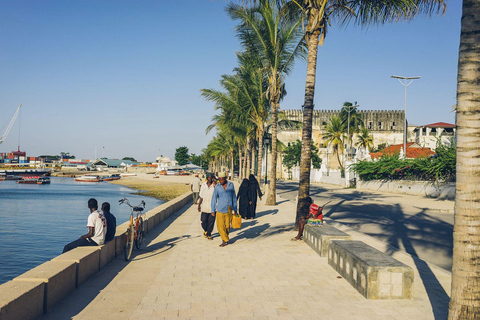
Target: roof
[
  {"x": 440, "y": 125},
  {"x": 413, "y": 151},
  {"x": 113, "y": 162}
]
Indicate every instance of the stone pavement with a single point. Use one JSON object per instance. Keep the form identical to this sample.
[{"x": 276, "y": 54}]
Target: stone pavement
[{"x": 262, "y": 274}]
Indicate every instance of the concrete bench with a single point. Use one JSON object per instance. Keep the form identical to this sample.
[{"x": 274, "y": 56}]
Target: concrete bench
[
  {"x": 319, "y": 238},
  {"x": 373, "y": 273}
]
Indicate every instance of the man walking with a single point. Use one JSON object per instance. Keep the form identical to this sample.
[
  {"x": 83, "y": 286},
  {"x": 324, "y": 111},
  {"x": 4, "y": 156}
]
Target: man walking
[
  {"x": 205, "y": 205},
  {"x": 195, "y": 188},
  {"x": 97, "y": 229},
  {"x": 223, "y": 201}
]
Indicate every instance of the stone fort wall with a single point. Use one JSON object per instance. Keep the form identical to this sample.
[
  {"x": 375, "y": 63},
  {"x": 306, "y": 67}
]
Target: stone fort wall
[{"x": 374, "y": 120}]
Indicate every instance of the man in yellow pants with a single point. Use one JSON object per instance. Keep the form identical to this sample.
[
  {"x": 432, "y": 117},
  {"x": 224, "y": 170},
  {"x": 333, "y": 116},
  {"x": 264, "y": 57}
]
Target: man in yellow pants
[{"x": 224, "y": 201}]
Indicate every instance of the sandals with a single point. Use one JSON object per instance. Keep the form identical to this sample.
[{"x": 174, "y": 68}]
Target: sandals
[
  {"x": 224, "y": 244},
  {"x": 296, "y": 239}
]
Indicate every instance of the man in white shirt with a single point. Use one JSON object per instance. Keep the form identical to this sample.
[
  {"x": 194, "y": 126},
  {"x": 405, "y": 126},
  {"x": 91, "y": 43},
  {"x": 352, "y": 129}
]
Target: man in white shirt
[
  {"x": 97, "y": 229},
  {"x": 204, "y": 206},
  {"x": 195, "y": 188}
]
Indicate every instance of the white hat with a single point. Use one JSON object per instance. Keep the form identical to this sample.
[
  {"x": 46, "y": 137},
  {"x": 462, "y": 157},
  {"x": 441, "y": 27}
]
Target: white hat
[{"x": 222, "y": 174}]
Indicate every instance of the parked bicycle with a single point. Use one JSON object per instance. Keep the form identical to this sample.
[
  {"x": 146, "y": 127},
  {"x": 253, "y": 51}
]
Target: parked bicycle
[{"x": 135, "y": 231}]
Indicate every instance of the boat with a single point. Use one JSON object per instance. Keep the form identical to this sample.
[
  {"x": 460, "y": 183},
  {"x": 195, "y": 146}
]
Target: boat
[
  {"x": 34, "y": 180},
  {"x": 88, "y": 179},
  {"x": 43, "y": 180},
  {"x": 112, "y": 177}
]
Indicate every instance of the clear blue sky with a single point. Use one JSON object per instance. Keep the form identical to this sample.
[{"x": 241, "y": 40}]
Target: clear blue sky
[{"x": 125, "y": 76}]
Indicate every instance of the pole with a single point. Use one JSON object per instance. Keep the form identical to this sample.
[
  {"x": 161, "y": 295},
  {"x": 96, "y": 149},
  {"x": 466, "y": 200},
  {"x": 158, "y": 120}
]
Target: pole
[
  {"x": 405, "y": 84},
  {"x": 348, "y": 134},
  {"x": 266, "y": 162}
]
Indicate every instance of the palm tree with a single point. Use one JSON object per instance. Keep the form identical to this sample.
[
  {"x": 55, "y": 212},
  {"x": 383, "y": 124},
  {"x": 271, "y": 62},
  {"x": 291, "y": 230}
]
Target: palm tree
[
  {"x": 364, "y": 140},
  {"x": 319, "y": 14},
  {"x": 335, "y": 136},
  {"x": 268, "y": 30},
  {"x": 465, "y": 296}
]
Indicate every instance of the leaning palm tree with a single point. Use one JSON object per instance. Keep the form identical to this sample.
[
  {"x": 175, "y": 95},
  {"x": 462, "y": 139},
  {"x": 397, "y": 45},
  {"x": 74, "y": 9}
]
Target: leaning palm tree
[
  {"x": 318, "y": 15},
  {"x": 268, "y": 30},
  {"x": 465, "y": 297},
  {"x": 335, "y": 136}
]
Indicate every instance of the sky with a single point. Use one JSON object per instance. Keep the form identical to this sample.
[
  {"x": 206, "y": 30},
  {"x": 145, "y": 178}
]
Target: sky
[{"x": 123, "y": 78}]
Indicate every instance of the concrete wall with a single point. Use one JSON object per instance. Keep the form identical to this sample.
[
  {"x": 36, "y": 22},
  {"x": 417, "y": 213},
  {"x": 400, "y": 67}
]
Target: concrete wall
[
  {"x": 36, "y": 291},
  {"x": 417, "y": 188}
]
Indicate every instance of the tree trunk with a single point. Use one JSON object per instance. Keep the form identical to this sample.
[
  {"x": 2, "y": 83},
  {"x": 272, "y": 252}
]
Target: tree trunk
[
  {"x": 247, "y": 158},
  {"x": 231, "y": 167},
  {"x": 272, "y": 189},
  {"x": 240, "y": 162},
  {"x": 306, "y": 157},
  {"x": 465, "y": 297},
  {"x": 260, "y": 134}
]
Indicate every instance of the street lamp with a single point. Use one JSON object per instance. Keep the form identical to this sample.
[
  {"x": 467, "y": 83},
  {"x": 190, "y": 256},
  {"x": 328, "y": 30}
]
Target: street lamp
[
  {"x": 349, "y": 109},
  {"x": 405, "y": 84},
  {"x": 266, "y": 142}
]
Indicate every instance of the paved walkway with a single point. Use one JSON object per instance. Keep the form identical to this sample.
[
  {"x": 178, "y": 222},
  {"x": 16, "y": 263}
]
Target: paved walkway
[{"x": 262, "y": 274}]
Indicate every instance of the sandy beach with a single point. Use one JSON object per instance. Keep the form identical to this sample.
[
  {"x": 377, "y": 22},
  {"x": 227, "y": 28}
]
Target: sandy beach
[{"x": 164, "y": 187}]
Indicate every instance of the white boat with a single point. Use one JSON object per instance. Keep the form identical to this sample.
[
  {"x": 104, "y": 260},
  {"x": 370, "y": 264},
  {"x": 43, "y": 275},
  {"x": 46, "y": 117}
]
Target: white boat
[{"x": 88, "y": 179}]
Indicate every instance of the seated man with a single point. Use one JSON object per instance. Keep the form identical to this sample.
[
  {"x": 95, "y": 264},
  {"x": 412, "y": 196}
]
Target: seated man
[
  {"x": 314, "y": 212},
  {"x": 111, "y": 222},
  {"x": 97, "y": 229}
]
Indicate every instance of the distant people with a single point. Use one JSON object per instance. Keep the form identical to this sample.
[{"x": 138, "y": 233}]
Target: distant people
[
  {"x": 244, "y": 201},
  {"x": 224, "y": 201},
  {"x": 111, "y": 222},
  {"x": 314, "y": 212},
  {"x": 205, "y": 205},
  {"x": 195, "y": 188},
  {"x": 97, "y": 229},
  {"x": 254, "y": 188}
]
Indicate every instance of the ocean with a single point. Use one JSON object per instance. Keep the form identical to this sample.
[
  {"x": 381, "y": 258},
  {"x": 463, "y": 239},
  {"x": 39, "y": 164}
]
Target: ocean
[{"x": 36, "y": 221}]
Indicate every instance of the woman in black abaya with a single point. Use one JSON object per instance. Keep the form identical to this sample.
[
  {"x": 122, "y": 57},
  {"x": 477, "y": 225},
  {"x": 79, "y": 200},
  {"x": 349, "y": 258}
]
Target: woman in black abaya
[
  {"x": 254, "y": 191},
  {"x": 243, "y": 197}
]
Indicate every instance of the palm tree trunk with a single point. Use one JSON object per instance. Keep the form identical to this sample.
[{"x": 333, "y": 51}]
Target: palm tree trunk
[
  {"x": 465, "y": 297},
  {"x": 240, "y": 171},
  {"x": 247, "y": 158},
  {"x": 306, "y": 156},
  {"x": 232, "y": 166},
  {"x": 260, "y": 134},
  {"x": 272, "y": 189}
]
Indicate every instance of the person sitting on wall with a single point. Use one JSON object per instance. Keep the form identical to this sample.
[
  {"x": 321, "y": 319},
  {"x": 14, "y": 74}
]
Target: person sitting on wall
[
  {"x": 111, "y": 222},
  {"x": 97, "y": 229},
  {"x": 314, "y": 212}
]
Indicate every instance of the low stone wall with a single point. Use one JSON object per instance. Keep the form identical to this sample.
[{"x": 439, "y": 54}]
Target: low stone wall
[
  {"x": 417, "y": 188},
  {"x": 36, "y": 291},
  {"x": 319, "y": 238}
]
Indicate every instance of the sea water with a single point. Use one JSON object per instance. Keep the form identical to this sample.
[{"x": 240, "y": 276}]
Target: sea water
[{"x": 37, "y": 221}]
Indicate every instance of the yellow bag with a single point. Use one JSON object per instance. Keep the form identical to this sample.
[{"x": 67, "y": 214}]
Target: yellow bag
[{"x": 237, "y": 221}]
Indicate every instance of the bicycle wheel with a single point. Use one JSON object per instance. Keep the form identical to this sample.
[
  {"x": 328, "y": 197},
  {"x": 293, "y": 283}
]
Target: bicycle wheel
[
  {"x": 140, "y": 234},
  {"x": 129, "y": 243}
]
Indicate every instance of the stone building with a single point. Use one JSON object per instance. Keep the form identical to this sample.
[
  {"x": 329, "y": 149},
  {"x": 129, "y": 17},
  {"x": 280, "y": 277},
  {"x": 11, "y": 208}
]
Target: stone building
[{"x": 385, "y": 126}]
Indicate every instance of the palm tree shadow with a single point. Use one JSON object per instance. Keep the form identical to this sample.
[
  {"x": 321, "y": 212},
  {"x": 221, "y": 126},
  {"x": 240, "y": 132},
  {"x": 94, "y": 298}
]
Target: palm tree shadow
[
  {"x": 263, "y": 213},
  {"x": 395, "y": 231}
]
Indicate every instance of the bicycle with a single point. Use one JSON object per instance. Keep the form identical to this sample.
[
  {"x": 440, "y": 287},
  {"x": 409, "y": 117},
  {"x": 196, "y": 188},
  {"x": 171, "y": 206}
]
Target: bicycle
[{"x": 135, "y": 231}]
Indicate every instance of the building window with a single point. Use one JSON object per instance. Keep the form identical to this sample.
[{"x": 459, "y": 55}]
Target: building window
[
  {"x": 380, "y": 125},
  {"x": 370, "y": 125}
]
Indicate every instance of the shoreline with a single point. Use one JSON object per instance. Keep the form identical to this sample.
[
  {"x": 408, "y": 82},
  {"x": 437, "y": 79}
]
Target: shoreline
[{"x": 164, "y": 188}]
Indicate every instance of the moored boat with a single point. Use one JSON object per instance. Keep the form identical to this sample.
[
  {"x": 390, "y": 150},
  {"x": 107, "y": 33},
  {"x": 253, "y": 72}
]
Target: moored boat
[
  {"x": 29, "y": 180},
  {"x": 43, "y": 180},
  {"x": 112, "y": 177},
  {"x": 89, "y": 179}
]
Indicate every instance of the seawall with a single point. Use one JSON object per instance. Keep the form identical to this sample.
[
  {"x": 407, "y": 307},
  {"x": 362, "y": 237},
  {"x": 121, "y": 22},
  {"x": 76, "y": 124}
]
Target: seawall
[{"x": 36, "y": 291}]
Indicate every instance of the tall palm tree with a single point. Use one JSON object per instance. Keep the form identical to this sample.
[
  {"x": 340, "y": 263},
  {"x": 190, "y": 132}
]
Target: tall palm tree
[
  {"x": 335, "y": 136},
  {"x": 268, "y": 30},
  {"x": 318, "y": 15},
  {"x": 465, "y": 297}
]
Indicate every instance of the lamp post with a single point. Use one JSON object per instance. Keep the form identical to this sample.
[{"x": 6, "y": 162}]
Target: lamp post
[
  {"x": 266, "y": 142},
  {"x": 349, "y": 109},
  {"x": 405, "y": 84}
]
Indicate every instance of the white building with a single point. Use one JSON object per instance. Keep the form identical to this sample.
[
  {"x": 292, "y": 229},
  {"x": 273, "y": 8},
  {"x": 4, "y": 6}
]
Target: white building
[{"x": 428, "y": 135}]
